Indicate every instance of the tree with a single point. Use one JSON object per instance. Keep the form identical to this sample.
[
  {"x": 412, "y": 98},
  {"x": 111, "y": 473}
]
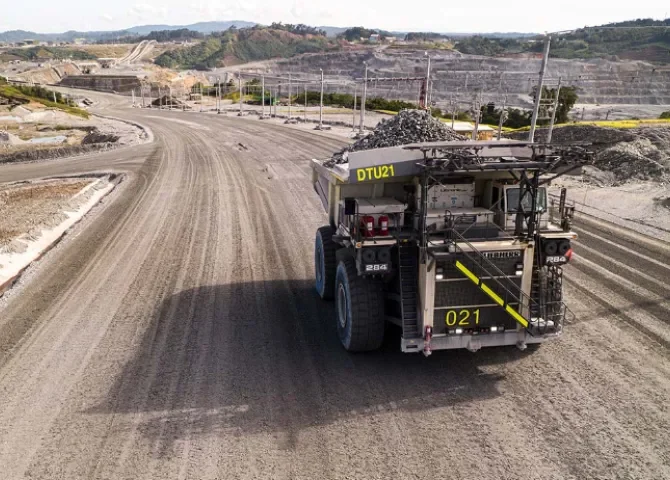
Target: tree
[
  {"x": 665, "y": 115},
  {"x": 566, "y": 101}
]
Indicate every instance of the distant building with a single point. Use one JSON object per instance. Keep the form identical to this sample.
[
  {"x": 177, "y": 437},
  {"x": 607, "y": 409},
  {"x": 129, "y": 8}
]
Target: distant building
[
  {"x": 484, "y": 132},
  {"x": 79, "y": 41},
  {"x": 390, "y": 39},
  {"x": 374, "y": 38}
]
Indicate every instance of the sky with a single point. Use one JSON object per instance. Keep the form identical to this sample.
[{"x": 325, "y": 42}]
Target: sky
[{"x": 49, "y": 16}]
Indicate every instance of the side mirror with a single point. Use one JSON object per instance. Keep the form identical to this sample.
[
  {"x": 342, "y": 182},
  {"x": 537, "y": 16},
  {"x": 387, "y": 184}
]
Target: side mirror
[{"x": 350, "y": 206}]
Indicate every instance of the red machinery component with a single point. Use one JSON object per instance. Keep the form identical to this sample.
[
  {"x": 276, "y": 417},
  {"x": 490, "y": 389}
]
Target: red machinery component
[
  {"x": 383, "y": 225},
  {"x": 368, "y": 225}
]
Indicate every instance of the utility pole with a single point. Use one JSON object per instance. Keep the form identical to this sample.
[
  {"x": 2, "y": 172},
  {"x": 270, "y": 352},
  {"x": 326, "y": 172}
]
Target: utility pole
[
  {"x": 365, "y": 91},
  {"x": 305, "y": 102},
  {"x": 218, "y": 95},
  {"x": 478, "y": 114},
  {"x": 553, "y": 113},
  {"x": 239, "y": 80},
  {"x": 540, "y": 87},
  {"x": 353, "y": 120},
  {"x": 321, "y": 104},
  {"x": 56, "y": 101},
  {"x": 289, "y": 96},
  {"x": 133, "y": 97},
  {"x": 502, "y": 118},
  {"x": 262, "y": 96},
  {"x": 142, "y": 93}
]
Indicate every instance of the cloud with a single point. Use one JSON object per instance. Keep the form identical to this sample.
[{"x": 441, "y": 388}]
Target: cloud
[
  {"x": 107, "y": 17},
  {"x": 144, "y": 11}
]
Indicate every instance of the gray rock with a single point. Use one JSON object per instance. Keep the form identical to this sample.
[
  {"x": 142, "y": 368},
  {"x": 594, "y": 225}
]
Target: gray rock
[{"x": 409, "y": 126}]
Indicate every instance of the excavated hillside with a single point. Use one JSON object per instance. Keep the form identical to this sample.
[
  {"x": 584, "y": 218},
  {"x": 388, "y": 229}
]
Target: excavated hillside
[
  {"x": 246, "y": 45},
  {"x": 598, "y": 80}
]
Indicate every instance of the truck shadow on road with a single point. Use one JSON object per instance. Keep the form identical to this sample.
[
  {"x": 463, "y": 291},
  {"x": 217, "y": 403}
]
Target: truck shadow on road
[{"x": 264, "y": 357}]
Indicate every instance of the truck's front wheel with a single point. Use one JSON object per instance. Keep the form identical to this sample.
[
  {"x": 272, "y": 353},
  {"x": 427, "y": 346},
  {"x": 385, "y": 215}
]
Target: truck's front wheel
[
  {"x": 360, "y": 309},
  {"x": 325, "y": 262}
]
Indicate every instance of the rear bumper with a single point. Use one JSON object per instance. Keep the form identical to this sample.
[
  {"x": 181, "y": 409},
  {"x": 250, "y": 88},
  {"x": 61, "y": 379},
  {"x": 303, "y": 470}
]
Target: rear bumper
[{"x": 475, "y": 342}]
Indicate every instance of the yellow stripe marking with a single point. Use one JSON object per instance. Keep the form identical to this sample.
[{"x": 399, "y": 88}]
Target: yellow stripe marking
[
  {"x": 494, "y": 296},
  {"x": 467, "y": 272},
  {"x": 516, "y": 316}
]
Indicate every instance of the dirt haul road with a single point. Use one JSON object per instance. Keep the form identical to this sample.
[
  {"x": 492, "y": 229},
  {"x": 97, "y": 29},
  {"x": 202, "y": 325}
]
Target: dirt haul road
[{"x": 178, "y": 335}]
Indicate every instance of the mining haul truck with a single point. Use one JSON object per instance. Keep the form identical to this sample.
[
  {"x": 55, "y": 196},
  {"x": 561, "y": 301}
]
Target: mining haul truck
[{"x": 454, "y": 242}]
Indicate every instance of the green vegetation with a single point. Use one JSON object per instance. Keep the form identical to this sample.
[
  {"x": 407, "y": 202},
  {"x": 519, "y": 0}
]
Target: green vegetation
[
  {"x": 515, "y": 118},
  {"x": 299, "y": 29},
  {"x": 48, "y": 53},
  {"x": 478, "y": 45},
  {"x": 566, "y": 101},
  {"x": 171, "y": 35},
  {"x": 424, "y": 37},
  {"x": 22, "y": 94},
  {"x": 356, "y": 33},
  {"x": 665, "y": 115},
  {"x": 346, "y": 100},
  {"x": 43, "y": 93},
  {"x": 244, "y": 45}
]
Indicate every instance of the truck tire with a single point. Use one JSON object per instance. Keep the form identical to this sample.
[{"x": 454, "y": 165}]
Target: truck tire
[
  {"x": 360, "y": 309},
  {"x": 325, "y": 263}
]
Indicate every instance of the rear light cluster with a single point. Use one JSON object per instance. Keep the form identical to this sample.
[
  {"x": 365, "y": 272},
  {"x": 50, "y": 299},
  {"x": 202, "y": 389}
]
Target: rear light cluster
[
  {"x": 476, "y": 331},
  {"x": 368, "y": 225}
]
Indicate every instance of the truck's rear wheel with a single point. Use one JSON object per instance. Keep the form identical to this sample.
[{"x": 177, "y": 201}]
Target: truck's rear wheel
[
  {"x": 360, "y": 309},
  {"x": 325, "y": 263}
]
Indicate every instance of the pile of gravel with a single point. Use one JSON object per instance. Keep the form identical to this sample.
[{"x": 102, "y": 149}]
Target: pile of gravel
[
  {"x": 636, "y": 160},
  {"x": 623, "y": 154},
  {"x": 409, "y": 126},
  {"x": 579, "y": 134},
  {"x": 99, "y": 137}
]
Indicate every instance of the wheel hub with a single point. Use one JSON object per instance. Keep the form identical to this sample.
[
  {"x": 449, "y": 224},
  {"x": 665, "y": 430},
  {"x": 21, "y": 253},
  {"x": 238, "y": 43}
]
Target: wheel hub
[
  {"x": 319, "y": 266},
  {"x": 342, "y": 306}
]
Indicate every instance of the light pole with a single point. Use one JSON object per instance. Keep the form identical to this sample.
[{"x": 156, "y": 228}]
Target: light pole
[
  {"x": 262, "y": 96},
  {"x": 218, "y": 95},
  {"x": 289, "y": 96},
  {"x": 239, "y": 76},
  {"x": 321, "y": 104},
  {"x": 305, "y": 103}
]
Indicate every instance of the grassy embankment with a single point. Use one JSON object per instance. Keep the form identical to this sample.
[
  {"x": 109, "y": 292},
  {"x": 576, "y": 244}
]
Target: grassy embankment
[{"x": 25, "y": 95}]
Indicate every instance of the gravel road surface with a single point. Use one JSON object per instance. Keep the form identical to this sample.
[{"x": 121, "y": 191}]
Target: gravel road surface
[{"x": 177, "y": 335}]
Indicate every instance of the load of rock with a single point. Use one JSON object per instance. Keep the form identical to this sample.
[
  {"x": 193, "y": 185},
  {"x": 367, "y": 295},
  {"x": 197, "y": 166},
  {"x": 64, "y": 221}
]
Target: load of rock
[
  {"x": 168, "y": 101},
  {"x": 409, "y": 126},
  {"x": 628, "y": 154}
]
